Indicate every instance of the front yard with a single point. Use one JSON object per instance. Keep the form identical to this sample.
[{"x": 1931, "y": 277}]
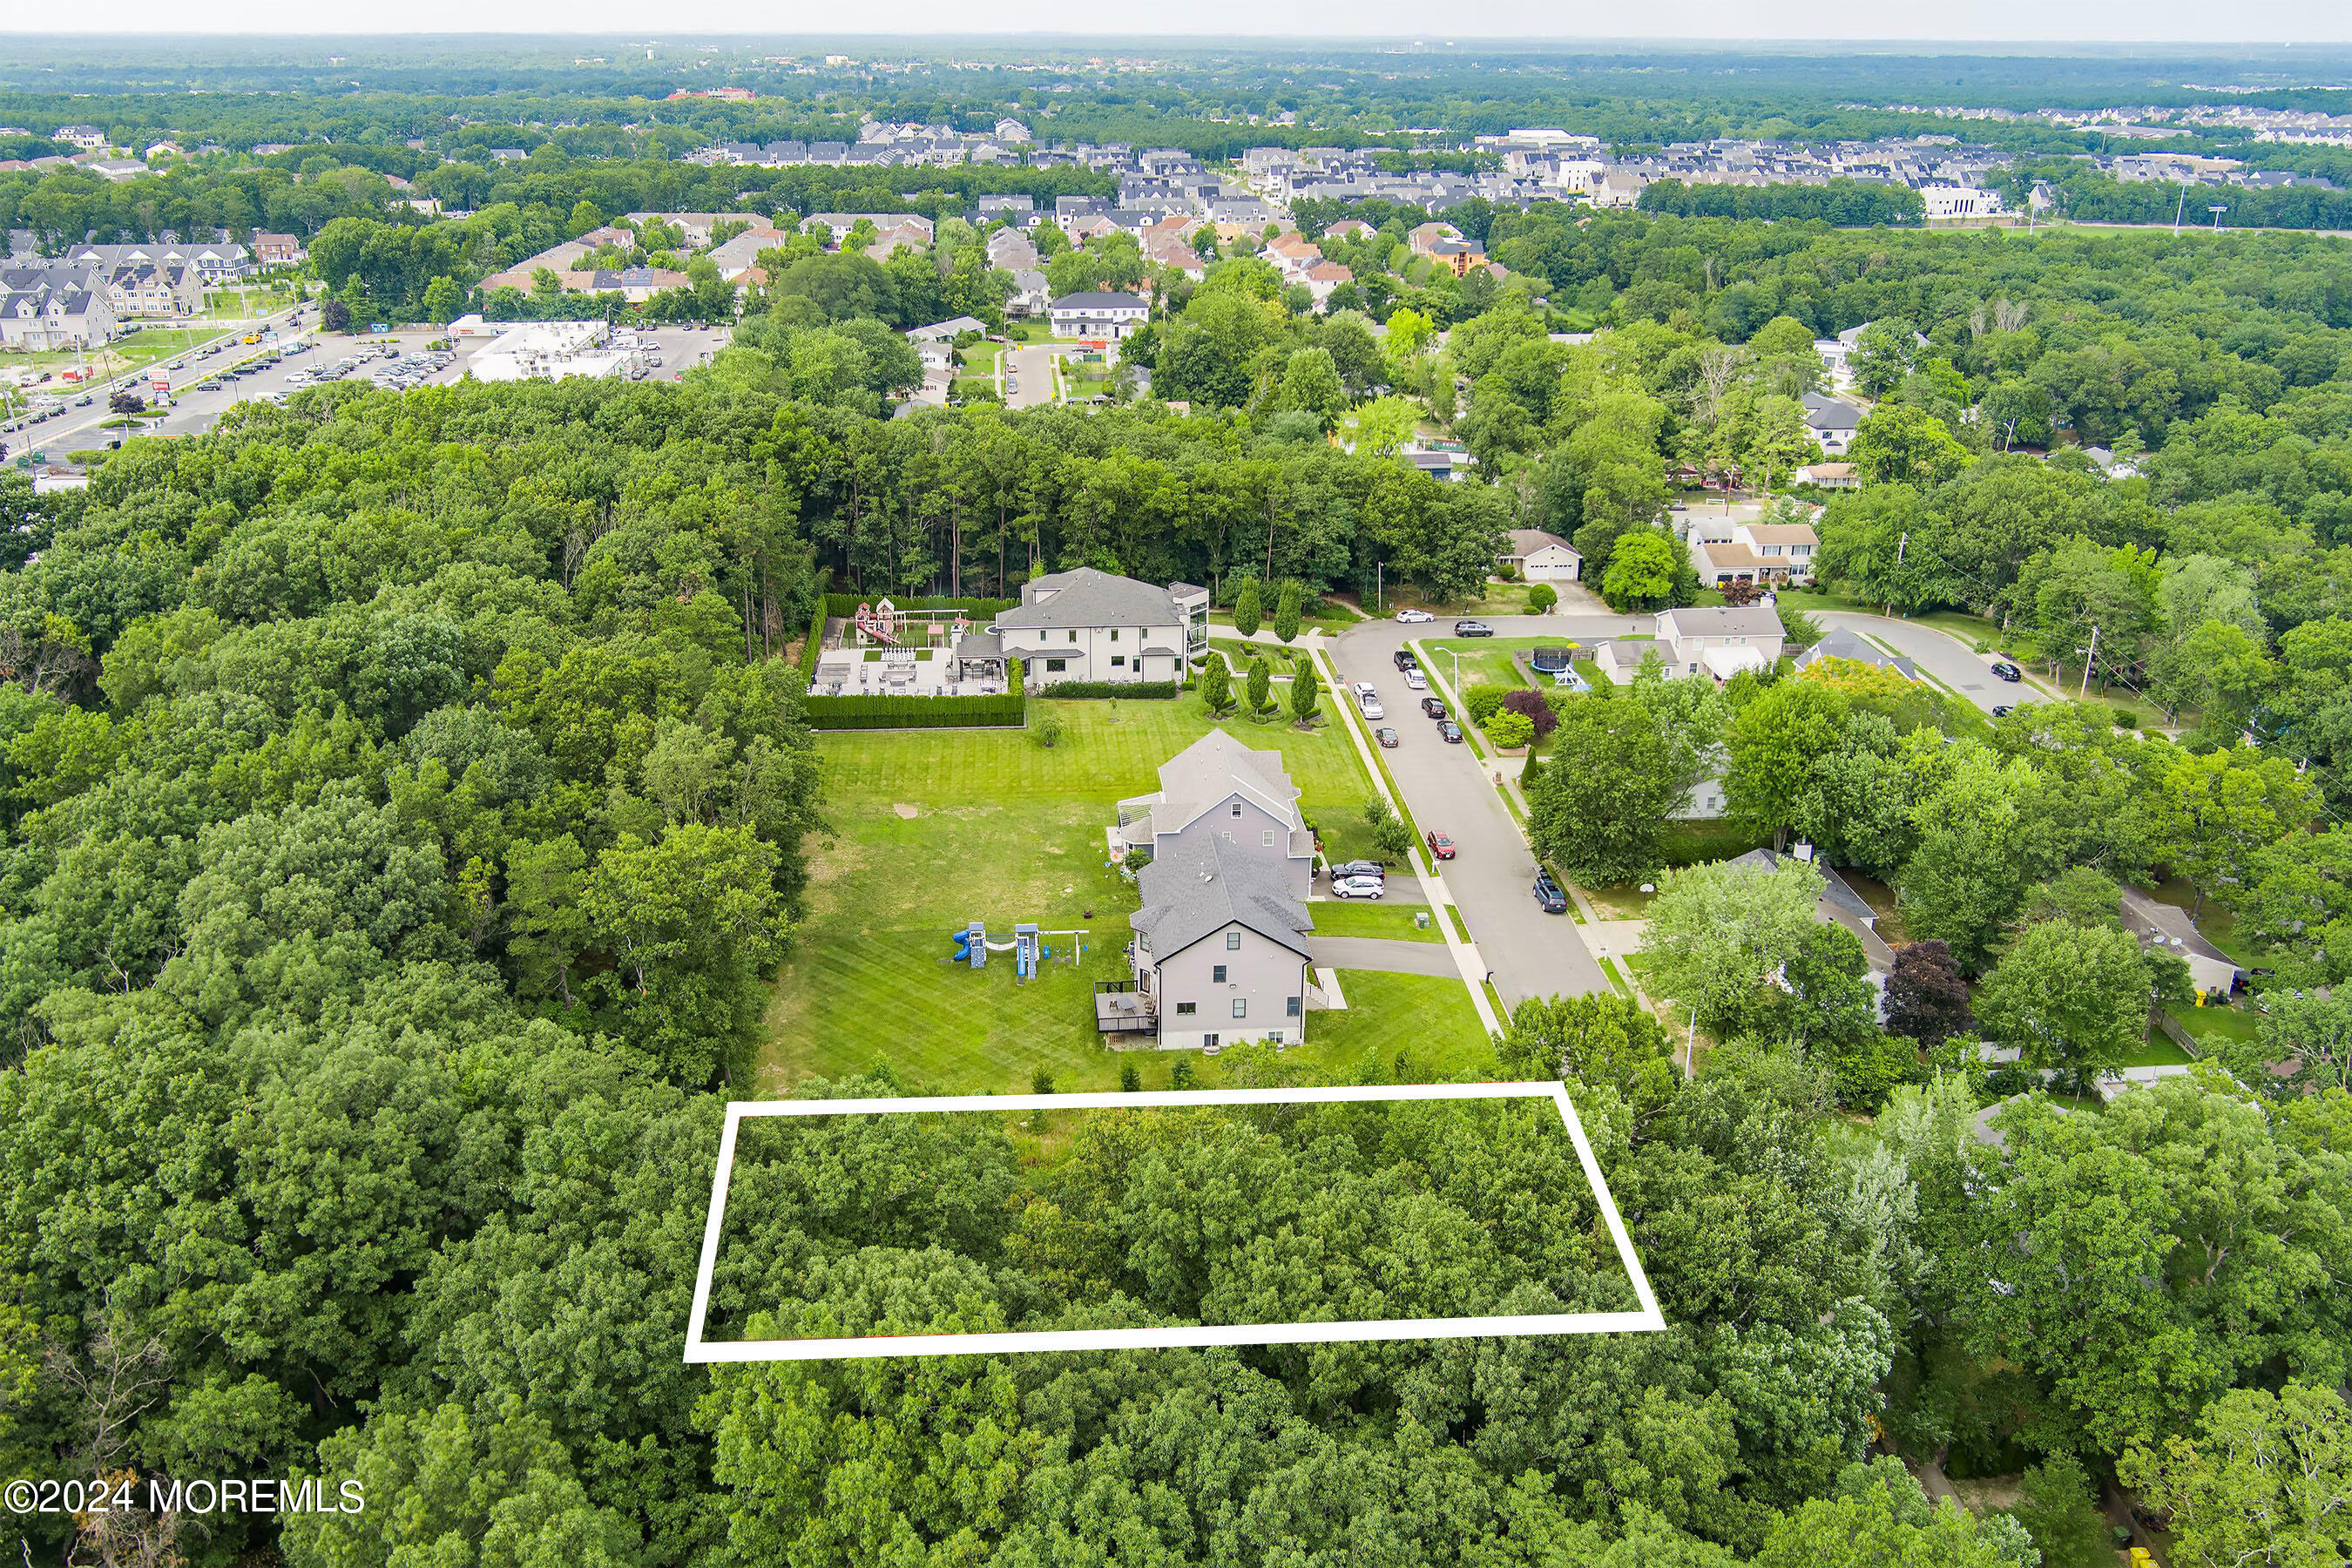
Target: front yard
[{"x": 937, "y": 828}]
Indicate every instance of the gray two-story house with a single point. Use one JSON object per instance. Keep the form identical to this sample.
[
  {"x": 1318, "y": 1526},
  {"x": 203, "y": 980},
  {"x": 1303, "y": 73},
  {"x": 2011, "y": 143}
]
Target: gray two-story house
[{"x": 1220, "y": 955}]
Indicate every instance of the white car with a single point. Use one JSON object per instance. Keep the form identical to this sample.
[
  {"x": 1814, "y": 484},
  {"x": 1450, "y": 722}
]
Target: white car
[
  {"x": 1414, "y": 616},
  {"x": 1415, "y": 681},
  {"x": 1358, "y": 888}
]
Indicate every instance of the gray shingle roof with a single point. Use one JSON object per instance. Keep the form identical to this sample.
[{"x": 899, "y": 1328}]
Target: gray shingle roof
[
  {"x": 1840, "y": 643},
  {"x": 1723, "y": 621},
  {"x": 1201, "y": 885},
  {"x": 1087, "y": 597}
]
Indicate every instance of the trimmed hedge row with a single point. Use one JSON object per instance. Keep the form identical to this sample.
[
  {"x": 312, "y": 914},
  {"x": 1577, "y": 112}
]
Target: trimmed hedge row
[
  {"x": 1009, "y": 711},
  {"x": 899, "y": 712},
  {"x": 1063, "y": 689},
  {"x": 813, "y": 647},
  {"x": 846, "y": 605}
]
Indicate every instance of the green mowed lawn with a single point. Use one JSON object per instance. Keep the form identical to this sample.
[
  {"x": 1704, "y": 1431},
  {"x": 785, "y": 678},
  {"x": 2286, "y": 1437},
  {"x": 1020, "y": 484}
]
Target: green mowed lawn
[
  {"x": 934, "y": 829},
  {"x": 1426, "y": 1018},
  {"x": 1375, "y": 918},
  {"x": 1486, "y": 660}
]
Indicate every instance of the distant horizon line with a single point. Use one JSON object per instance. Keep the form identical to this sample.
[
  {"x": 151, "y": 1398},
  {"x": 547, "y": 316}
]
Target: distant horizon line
[{"x": 2044, "y": 46}]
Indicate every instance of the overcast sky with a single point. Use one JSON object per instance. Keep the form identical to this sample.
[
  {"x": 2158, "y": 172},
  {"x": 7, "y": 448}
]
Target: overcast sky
[{"x": 2036, "y": 21}]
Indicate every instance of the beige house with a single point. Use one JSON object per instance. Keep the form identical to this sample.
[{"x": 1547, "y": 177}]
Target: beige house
[
  {"x": 1762, "y": 552},
  {"x": 1542, "y": 557}
]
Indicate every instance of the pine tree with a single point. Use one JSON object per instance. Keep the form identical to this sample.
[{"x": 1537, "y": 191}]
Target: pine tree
[
  {"x": 1304, "y": 689},
  {"x": 1249, "y": 609},
  {"x": 1287, "y": 604},
  {"x": 1216, "y": 685}
]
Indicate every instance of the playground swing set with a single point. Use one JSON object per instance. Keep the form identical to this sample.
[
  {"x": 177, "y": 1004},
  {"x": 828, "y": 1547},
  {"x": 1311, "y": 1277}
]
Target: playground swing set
[
  {"x": 1028, "y": 947},
  {"x": 886, "y": 624}
]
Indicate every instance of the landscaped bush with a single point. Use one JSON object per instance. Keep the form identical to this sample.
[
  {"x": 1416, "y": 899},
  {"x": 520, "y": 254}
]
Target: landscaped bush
[
  {"x": 815, "y": 647},
  {"x": 1063, "y": 689},
  {"x": 1510, "y": 730},
  {"x": 1542, "y": 597},
  {"x": 1532, "y": 706},
  {"x": 1006, "y": 711},
  {"x": 1482, "y": 702},
  {"x": 904, "y": 712}
]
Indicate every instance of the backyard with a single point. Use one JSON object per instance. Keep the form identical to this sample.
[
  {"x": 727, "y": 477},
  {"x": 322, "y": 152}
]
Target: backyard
[
  {"x": 938, "y": 828},
  {"x": 1487, "y": 661}
]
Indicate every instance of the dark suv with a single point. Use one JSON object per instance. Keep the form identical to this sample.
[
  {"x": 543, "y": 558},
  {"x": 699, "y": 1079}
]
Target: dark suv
[
  {"x": 1433, "y": 707},
  {"x": 1405, "y": 659},
  {"x": 1549, "y": 895}
]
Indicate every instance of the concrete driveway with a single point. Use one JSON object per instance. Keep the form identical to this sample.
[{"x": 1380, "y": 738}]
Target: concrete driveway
[
  {"x": 1492, "y": 877},
  {"x": 1032, "y": 371},
  {"x": 1389, "y": 955}
]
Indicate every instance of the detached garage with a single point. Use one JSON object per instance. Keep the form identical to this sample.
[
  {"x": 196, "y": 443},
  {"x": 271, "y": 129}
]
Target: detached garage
[{"x": 1542, "y": 557}]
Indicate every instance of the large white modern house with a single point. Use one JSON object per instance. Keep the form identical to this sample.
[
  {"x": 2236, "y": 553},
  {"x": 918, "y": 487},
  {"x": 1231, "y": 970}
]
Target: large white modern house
[
  {"x": 1086, "y": 625},
  {"x": 1220, "y": 955}
]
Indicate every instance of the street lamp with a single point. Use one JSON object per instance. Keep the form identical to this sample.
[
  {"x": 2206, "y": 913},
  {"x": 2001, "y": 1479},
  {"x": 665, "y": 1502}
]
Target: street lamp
[{"x": 2217, "y": 212}]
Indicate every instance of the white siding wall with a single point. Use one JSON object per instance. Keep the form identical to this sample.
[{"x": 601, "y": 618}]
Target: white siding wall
[
  {"x": 1261, "y": 975},
  {"x": 1090, "y": 656}
]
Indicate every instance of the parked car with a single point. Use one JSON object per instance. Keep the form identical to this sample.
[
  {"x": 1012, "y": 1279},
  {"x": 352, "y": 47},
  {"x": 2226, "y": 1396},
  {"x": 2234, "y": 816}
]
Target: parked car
[
  {"x": 2005, "y": 670},
  {"x": 1415, "y": 681},
  {"x": 1433, "y": 707},
  {"x": 1358, "y": 888},
  {"x": 1386, "y": 737},
  {"x": 2003, "y": 710},
  {"x": 1440, "y": 846},
  {"x": 1548, "y": 896},
  {"x": 1405, "y": 659},
  {"x": 1449, "y": 731},
  {"x": 1414, "y": 617},
  {"x": 1355, "y": 870},
  {"x": 1473, "y": 629}
]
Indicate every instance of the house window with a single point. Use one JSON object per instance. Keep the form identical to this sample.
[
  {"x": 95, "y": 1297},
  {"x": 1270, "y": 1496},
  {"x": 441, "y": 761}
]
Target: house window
[
  {"x": 1266, "y": 839},
  {"x": 1185, "y": 1009},
  {"x": 1074, "y": 636},
  {"x": 1118, "y": 661},
  {"x": 1274, "y": 1036},
  {"x": 1114, "y": 633},
  {"x": 1217, "y": 975},
  {"x": 1055, "y": 666},
  {"x": 1292, "y": 1008},
  {"x": 1237, "y": 808},
  {"x": 1241, "y": 1006},
  {"x": 1232, "y": 942}
]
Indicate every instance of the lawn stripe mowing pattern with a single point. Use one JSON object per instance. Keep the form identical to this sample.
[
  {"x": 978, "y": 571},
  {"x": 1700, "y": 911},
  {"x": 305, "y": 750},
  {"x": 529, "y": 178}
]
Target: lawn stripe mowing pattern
[{"x": 943, "y": 827}]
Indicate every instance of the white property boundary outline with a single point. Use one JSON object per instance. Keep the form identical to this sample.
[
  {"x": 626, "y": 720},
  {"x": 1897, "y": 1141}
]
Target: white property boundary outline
[{"x": 1649, "y": 1319}]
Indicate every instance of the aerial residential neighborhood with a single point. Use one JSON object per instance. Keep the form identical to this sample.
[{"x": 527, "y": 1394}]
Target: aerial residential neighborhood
[{"x": 1234, "y": 788}]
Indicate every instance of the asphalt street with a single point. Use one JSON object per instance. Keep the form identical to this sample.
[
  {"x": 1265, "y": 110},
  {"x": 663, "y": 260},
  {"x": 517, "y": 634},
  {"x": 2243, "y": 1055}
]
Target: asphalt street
[
  {"x": 1938, "y": 654},
  {"x": 1030, "y": 372},
  {"x": 1492, "y": 877}
]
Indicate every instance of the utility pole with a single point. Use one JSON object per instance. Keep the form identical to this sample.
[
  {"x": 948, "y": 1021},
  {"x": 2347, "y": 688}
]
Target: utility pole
[
  {"x": 2088, "y": 661},
  {"x": 1901, "y": 545},
  {"x": 2178, "y": 207},
  {"x": 1380, "y": 585}
]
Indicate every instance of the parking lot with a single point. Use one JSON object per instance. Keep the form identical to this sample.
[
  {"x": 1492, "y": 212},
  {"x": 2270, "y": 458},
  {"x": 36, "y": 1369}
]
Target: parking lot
[{"x": 215, "y": 378}]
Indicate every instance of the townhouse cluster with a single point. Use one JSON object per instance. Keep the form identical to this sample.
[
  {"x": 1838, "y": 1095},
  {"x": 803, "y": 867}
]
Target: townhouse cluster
[{"x": 84, "y": 296}]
